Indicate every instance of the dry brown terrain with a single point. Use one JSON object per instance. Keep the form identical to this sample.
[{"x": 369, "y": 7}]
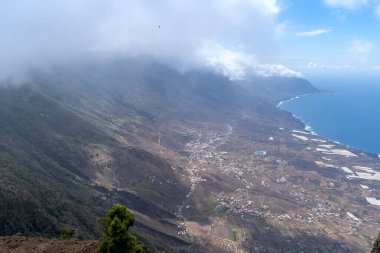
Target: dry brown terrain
[
  {"x": 16, "y": 244},
  {"x": 205, "y": 167}
]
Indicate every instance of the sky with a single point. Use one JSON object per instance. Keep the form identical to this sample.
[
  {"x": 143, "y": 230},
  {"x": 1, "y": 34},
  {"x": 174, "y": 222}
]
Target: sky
[
  {"x": 238, "y": 38},
  {"x": 331, "y": 35}
]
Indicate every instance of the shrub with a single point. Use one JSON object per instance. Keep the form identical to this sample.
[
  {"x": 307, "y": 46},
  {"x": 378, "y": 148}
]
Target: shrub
[
  {"x": 116, "y": 238},
  {"x": 67, "y": 232}
]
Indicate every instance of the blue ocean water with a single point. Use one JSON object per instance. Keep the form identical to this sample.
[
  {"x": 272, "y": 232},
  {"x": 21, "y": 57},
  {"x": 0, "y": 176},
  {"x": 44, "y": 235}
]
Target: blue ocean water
[{"x": 349, "y": 114}]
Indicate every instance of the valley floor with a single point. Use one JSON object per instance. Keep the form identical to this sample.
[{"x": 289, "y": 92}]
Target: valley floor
[{"x": 287, "y": 187}]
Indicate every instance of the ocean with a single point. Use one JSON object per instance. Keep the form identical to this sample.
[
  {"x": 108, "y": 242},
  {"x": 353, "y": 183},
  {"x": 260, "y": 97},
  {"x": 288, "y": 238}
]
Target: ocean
[{"x": 349, "y": 113}]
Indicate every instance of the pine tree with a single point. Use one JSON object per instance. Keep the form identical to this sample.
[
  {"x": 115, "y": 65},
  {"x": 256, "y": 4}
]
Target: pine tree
[{"x": 116, "y": 236}]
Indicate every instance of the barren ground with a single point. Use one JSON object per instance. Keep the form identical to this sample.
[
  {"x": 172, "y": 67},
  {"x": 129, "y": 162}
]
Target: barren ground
[{"x": 15, "y": 244}]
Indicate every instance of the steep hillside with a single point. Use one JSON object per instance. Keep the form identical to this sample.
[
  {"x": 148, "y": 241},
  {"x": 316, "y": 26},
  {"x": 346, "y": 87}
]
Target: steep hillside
[
  {"x": 43, "y": 185},
  {"x": 206, "y": 164},
  {"x": 58, "y": 168},
  {"x": 277, "y": 89}
]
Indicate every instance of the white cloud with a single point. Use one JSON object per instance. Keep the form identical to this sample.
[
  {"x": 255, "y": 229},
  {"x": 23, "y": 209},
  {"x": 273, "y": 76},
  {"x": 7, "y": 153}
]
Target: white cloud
[
  {"x": 267, "y": 6},
  {"x": 230, "y": 63},
  {"x": 346, "y": 4},
  {"x": 313, "y": 33},
  {"x": 172, "y": 31},
  {"x": 314, "y": 66},
  {"x": 321, "y": 66},
  {"x": 357, "y": 58},
  {"x": 238, "y": 65},
  {"x": 271, "y": 6},
  {"x": 360, "y": 49},
  {"x": 377, "y": 11},
  {"x": 268, "y": 70},
  {"x": 187, "y": 25}
]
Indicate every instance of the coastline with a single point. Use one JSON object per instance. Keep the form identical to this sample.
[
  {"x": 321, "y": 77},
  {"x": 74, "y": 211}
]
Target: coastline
[
  {"x": 291, "y": 99},
  {"x": 309, "y": 128}
]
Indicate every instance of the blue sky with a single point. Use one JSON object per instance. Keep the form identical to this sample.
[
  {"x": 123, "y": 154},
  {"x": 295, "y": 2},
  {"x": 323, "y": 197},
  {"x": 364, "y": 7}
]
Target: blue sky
[
  {"x": 350, "y": 40},
  {"x": 237, "y": 38}
]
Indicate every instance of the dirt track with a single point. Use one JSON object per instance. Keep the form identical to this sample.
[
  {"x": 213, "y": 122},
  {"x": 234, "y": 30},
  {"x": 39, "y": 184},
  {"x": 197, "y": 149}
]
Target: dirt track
[{"x": 43, "y": 245}]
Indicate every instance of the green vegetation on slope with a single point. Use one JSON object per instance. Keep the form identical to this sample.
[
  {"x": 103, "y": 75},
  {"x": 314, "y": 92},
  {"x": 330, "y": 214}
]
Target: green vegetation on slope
[
  {"x": 41, "y": 149},
  {"x": 60, "y": 165}
]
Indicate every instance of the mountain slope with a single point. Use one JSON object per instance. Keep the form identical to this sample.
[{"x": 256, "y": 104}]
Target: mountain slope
[
  {"x": 41, "y": 153},
  {"x": 76, "y": 134},
  {"x": 206, "y": 164},
  {"x": 57, "y": 168},
  {"x": 277, "y": 89}
]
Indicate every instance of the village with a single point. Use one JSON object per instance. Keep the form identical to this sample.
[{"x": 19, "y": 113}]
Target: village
[{"x": 269, "y": 186}]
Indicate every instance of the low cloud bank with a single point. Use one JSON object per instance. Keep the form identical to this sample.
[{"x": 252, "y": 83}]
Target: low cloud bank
[{"x": 226, "y": 35}]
